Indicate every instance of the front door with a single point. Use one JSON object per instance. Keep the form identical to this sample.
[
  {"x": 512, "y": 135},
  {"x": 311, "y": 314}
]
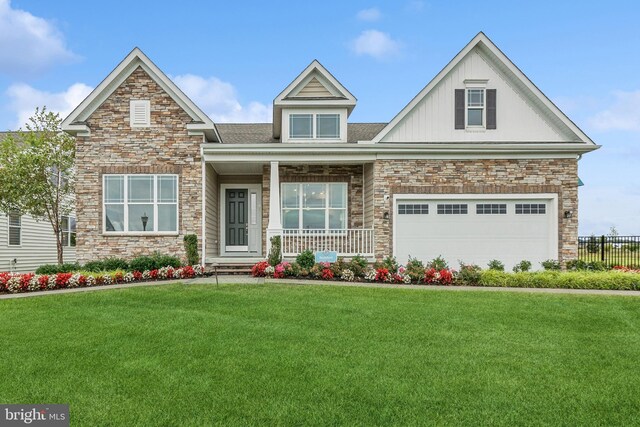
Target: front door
[{"x": 236, "y": 225}]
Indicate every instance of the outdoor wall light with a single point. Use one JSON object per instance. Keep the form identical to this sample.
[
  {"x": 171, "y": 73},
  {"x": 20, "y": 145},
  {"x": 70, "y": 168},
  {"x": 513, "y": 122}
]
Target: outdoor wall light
[
  {"x": 385, "y": 215},
  {"x": 144, "y": 219},
  {"x": 568, "y": 214}
]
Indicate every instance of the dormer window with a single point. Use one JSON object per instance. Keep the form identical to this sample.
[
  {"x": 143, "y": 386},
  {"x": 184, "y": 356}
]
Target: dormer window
[{"x": 314, "y": 126}]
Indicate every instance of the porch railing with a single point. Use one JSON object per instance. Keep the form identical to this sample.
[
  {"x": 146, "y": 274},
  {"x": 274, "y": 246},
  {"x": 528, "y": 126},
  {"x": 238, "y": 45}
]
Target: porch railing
[{"x": 349, "y": 242}]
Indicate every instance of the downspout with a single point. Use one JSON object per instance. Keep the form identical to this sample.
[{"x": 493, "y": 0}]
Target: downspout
[{"x": 204, "y": 205}]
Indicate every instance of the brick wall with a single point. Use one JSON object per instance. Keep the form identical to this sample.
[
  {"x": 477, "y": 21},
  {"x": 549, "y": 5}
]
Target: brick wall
[
  {"x": 115, "y": 147},
  {"x": 558, "y": 176}
]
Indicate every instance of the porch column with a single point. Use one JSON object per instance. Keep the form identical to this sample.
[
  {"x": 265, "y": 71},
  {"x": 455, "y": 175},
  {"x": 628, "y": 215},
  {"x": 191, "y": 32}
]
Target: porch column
[{"x": 274, "y": 228}]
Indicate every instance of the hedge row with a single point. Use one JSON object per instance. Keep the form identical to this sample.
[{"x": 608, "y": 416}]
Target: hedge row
[{"x": 141, "y": 263}]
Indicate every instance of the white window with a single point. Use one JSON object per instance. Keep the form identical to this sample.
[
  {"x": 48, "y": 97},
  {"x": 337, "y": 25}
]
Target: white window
[
  {"x": 314, "y": 206},
  {"x": 141, "y": 203},
  {"x": 140, "y": 113},
  {"x": 15, "y": 229},
  {"x": 68, "y": 230},
  {"x": 314, "y": 126},
  {"x": 475, "y": 107}
]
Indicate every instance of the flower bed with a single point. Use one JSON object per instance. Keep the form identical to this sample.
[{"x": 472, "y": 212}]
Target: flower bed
[
  {"x": 30, "y": 282},
  {"x": 438, "y": 273}
]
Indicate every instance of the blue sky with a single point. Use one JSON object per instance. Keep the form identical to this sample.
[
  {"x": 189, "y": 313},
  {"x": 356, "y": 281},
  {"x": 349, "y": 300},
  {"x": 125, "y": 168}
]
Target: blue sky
[{"x": 233, "y": 58}]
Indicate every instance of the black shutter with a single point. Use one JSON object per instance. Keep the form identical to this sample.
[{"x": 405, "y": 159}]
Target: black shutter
[
  {"x": 459, "y": 107},
  {"x": 491, "y": 109}
]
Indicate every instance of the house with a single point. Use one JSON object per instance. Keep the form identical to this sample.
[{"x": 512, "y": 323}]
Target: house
[
  {"x": 480, "y": 165},
  {"x": 26, "y": 243}
]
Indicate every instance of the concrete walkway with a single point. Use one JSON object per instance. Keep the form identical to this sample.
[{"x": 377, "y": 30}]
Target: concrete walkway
[{"x": 248, "y": 280}]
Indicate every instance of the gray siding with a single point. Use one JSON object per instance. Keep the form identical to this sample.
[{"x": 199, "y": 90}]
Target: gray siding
[
  {"x": 211, "y": 213},
  {"x": 38, "y": 246}
]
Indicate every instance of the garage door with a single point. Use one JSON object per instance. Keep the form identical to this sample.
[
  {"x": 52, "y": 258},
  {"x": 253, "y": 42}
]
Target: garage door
[{"x": 476, "y": 230}]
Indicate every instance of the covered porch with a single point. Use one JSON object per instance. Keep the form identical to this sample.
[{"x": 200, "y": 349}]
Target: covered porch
[{"x": 317, "y": 206}]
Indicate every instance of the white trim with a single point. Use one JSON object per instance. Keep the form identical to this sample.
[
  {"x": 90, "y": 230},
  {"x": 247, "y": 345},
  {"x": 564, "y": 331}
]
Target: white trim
[
  {"x": 483, "y": 41},
  {"x": 203, "y": 173},
  {"x": 75, "y": 124},
  {"x": 553, "y": 211},
  {"x": 126, "y": 204},
  {"x": 222, "y": 211},
  {"x": 314, "y": 112}
]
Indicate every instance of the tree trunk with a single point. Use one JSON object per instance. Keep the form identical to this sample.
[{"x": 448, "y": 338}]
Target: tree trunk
[{"x": 59, "y": 247}]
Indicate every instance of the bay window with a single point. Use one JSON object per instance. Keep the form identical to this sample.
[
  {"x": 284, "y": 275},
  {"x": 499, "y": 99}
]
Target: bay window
[
  {"x": 314, "y": 206},
  {"x": 140, "y": 203}
]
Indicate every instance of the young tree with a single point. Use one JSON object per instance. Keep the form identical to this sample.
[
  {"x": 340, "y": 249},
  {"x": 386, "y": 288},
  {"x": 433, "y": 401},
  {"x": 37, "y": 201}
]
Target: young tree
[{"x": 37, "y": 173}]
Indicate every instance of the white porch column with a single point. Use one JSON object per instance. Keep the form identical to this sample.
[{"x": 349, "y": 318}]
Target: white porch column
[{"x": 274, "y": 228}]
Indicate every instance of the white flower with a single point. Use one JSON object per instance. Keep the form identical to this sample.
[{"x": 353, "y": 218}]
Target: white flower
[
  {"x": 13, "y": 285},
  {"x": 177, "y": 273},
  {"x": 108, "y": 280},
  {"x": 199, "y": 269},
  {"x": 51, "y": 282},
  {"x": 128, "y": 277},
  {"x": 370, "y": 275},
  {"x": 91, "y": 281},
  {"x": 406, "y": 279},
  {"x": 146, "y": 275},
  {"x": 269, "y": 271},
  {"x": 34, "y": 284},
  {"x": 347, "y": 275}
]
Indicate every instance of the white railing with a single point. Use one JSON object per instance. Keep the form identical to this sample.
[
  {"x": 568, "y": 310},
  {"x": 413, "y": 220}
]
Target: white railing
[{"x": 349, "y": 242}]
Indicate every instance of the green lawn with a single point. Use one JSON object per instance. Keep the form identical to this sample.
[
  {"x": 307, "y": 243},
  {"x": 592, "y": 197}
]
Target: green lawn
[{"x": 318, "y": 355}]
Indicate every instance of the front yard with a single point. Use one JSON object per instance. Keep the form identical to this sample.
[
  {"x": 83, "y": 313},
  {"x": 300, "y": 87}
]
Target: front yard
[{"x": 286, "y": 354}]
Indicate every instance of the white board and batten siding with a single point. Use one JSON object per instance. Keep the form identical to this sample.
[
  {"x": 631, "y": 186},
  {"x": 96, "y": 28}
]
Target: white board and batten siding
[
  {"x": 518, "y": 117},
  {"x": 38, "y": 246}
]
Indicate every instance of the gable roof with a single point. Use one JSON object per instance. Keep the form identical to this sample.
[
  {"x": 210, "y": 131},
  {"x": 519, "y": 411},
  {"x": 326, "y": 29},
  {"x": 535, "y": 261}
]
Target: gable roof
[
  {"x": 304, "y": 91},
  {"x": 75, "y": 123},
  {"x": 505, "y": 65}
]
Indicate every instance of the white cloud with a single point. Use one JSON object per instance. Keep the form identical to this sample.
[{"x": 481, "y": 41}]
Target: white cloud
[
  {"x": 623, "y": 114},
  {"x": 29, "y": 44},
  {"x": 369, "y": 15},
  {"x": 220, "y": 101},
  {"x": 376, "y": 44},
  {"x": 23, "y": 100},
  {"x": 415, "y": 6}
]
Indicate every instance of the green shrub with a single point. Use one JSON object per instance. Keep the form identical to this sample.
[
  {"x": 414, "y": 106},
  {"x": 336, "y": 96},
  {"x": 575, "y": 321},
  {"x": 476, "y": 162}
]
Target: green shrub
[
  {"x": 551, "y": 265},
  {"x": 94, "y": 266},
  {"x": 438, "y": 263},
  {"x": 358, "y": 265},
  {"x": 522, "y": 266},
  {"x": 564, "y": 280},
  {"x": 191, "y": 248},
  {"x": 296, "y": 270},
  {"x": 115, "y": 263},
  {"x": 415, "y": 269},
  {"x": 581, "y": 265},
  {"x": 390, "y": 263},
  {"x": 143, "y": 263},
  {"x": 496, "y": 265},
  {"x": 166, "y": 260},
  {"x": 338, "y": 266},
  {"x": 469, "y": 274},
  {"x": 275, "y": 253},
  {"x": 306, "y": 259},
  {"x": 58, "y": 268}
]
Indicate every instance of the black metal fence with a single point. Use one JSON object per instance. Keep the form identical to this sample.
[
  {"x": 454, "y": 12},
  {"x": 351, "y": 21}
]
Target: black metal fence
[{"x": 612, "y": 250}]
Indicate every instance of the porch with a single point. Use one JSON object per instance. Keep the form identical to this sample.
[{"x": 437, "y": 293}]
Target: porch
[{"x": 317, "y": 207}]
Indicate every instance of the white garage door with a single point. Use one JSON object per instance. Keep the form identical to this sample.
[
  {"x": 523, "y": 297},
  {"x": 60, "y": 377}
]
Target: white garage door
[{"x": 476, "y": 230}]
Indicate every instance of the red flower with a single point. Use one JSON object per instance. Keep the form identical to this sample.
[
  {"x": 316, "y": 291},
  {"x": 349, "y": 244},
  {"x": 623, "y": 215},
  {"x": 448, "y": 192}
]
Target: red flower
[
  {"x": 187, "y": 272},
  {"x": 118, "y": 277},
  {"x": 258, "y": 269},
  {"x": 382, "y": 274},
  {"x": 153, "y": 274},
  {"x": 42, "y": 281},
  {"x": 137, "y": 275},
  {"x": 327, "y": 274},
  {"x": 62, "y": 279}
]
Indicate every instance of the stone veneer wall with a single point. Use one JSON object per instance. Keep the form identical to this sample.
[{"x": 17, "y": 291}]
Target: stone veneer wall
[
  {"x": 351, "y": 174},
  {"x": 558, "y": 176},
  {"x": 115, "y": 147}
]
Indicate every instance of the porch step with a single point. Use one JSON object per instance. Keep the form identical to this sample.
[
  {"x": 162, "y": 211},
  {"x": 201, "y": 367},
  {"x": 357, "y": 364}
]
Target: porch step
[{"x": 228, "y": 268}]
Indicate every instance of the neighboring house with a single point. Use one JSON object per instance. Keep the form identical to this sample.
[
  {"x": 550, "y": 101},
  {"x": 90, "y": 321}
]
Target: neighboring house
[
  {"x": 479, "y": 165},
  {"x": 27, "y": 243}
]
